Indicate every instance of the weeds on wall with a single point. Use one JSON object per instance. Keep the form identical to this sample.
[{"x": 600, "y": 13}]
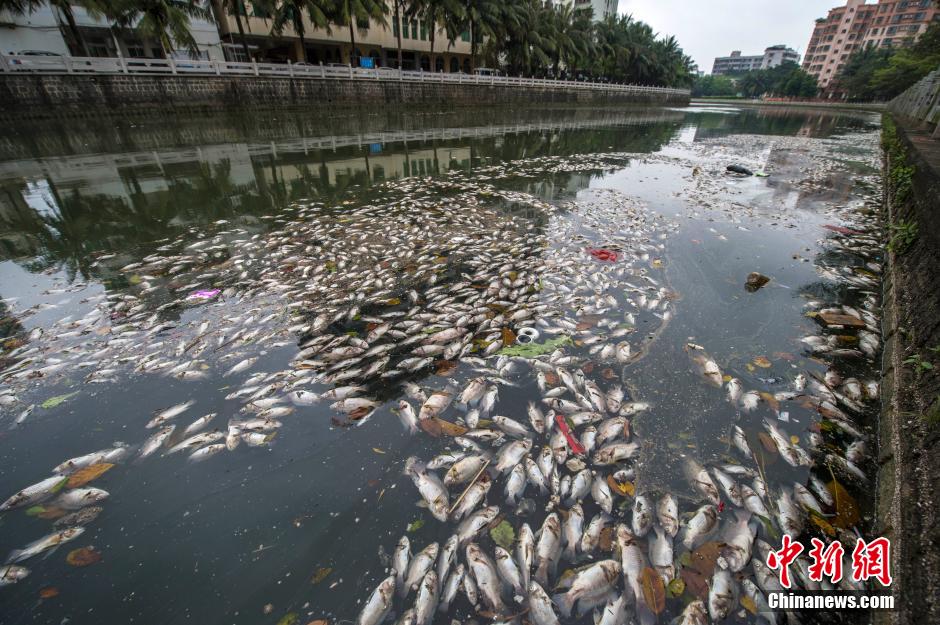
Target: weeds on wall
[{"x": 900, "y": 181}]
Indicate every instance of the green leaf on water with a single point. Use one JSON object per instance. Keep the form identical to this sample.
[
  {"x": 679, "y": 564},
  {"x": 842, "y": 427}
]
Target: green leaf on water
[
  {"x": 531, "y": 350},
  {"x": 52, "y": 402},
  {"x": 676, "y": 587},
  {"x": 289, "y": 619},
  {"x": 769, "y": 527},
  {"x": 35, "y": 511},
  {"x": 416, "y": 525},
  {"x": 503, "y": 535}
]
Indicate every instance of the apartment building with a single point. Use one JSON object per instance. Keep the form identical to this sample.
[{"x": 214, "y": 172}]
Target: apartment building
[
  {"x": 44, "y": 30},
  {"x": 858, "y": 24},
  {"x": 376, "y": 44},
  {"x": 600, "y": 8},
  {"x": 738, "y": 64}
]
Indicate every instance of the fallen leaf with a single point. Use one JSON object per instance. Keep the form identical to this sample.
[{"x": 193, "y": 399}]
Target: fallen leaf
[
  {"x": 289, "y": 619},
  {"x": 509, "y": 337},
  {"x": 48, "y": 592},
  {"x": 83, "y": 556},
  {"x": 551, "y": 378},
  {"x": 748, "y": 604},
  {"x": 676, "y": 587},
  {"x": 320, "y": 575},
  {"x": 52, "y": 402},
  {"x": 822, "y": 524},
  {"x": 445, "y": 367},
  {"x": 377, "y": 450},
  {"x": 847, "y": 514},
  {"x": 35, "y": 510},
  {"x": 770, "y": 399},
  {"x": 450, "y": 429},
  {"x": 503, "y": 535},
  {"x": 767, "y": 442},
  {"x": 762, "y": 362},
  {"x": 319, "y": 621},
  {"x": 609, "y": 374},
  {"x": 51, "y": 513},
  {"x": 430, "y": 426},
  {"x": 360, "y": 413},
  {"x": 654, "y": 592},
  {"x": 694, "y": 582},
  {"x": 704, "y": 558},
  {"x": 414, "y": 526},
  {"x": 623, "y": 488},
  {"x": 794, "y": 439},
  {"x": 784, "y": 356},
  {"x": 606, "y": 541},
  {"x": 394, "y": 301},
  {"x": 83, "y": 476}
]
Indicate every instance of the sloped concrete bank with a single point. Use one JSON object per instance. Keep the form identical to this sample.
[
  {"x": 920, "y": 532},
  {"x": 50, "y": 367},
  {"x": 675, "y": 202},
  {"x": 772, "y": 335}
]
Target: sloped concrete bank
[
  {"x": 48, "y": 94},
  {"x": 909, "y": 430}
]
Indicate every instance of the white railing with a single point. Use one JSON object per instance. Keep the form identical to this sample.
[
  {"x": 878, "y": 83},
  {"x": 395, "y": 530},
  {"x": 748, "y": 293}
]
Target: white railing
[{"x": 106, "y": 65}]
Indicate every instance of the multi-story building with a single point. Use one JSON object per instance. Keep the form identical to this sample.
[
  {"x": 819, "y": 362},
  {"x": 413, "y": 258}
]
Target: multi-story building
[
  {"x": 738, "y": 64},
  {"x": 376, "y": 44},
  {"x": 856, "y": 25},
  {"x": 44, "y": 30},
  {"x": 600, "y": 9}
]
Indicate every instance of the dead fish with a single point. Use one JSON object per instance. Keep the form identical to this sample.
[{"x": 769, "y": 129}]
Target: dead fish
[
  {"x": 35, "y": 493},
  {"x": 379, "y": 603},
  {"x": 46, "y": 542},
  {"x": 169, "y": 413}
]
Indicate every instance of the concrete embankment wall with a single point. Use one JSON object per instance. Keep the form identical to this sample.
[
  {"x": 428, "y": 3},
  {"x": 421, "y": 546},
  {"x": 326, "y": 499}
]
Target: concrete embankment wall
[
  {"x": 909, "y": 431},
  {"x": 43, "y": 94}
]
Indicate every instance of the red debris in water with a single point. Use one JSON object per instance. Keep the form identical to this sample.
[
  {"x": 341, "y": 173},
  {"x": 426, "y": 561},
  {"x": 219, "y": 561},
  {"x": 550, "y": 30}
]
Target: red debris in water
[
  {"x": 721, "y": 506},
  {"x": 576, "y": 447},
  {"x": 602, "y": 254}
]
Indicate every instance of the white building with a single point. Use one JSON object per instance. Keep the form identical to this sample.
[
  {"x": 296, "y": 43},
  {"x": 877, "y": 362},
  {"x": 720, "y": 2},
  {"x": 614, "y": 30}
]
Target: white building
[
  {"x": 738, "y": 64},
  {"x": 46, "y": 30},
  {"x": 600, "y": 8}
]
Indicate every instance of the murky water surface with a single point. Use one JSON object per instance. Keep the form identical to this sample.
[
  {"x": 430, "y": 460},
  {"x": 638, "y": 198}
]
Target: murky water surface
[{"x": 232, "y": 348}]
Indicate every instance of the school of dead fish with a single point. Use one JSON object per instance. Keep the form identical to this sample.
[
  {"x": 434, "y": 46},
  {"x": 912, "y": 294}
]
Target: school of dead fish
[{"x": 380, "y": 298}]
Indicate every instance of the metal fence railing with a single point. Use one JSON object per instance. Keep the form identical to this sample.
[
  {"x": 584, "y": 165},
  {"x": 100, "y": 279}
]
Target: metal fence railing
[{"x": 108, "y": 65}]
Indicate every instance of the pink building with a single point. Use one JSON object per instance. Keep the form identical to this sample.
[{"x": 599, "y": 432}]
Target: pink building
[{"x": 857, "y": 24}]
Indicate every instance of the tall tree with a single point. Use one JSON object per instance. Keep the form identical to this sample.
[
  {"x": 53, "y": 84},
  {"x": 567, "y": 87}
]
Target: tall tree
[
  {"x": 437, "y": 13},
  {"x": 291, "y": 13},
  {"x": 166, "y": 21},
  {"x": 236, "y": 8},
  {"x": 352, "y": 12}
]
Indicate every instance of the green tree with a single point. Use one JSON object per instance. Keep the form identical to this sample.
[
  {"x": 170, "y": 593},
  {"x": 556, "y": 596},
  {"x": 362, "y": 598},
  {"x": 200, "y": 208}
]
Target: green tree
[
  {"x": 166, "y": 21},
  {"x": 236, "y": 8},
  {"x": 883, "y": 73},
  {"x": 437, "y": 13},
  {"x": 291, "y": 13},
  {"x": 714, "y": 86},
  {"x": 354, "y": 13},
  {"x": 484, "y": 19}
]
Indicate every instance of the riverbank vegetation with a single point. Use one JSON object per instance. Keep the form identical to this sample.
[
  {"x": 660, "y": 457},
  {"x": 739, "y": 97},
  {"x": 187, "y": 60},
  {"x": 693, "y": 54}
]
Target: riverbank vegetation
[
  {"x": 785, "y": 80},
  {"x": 874, "y": 73}
]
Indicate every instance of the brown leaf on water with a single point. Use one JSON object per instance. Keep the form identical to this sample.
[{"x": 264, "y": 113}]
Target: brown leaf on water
[
  {"x": 319, "y": 621},
  {"x": 584, "y": 325},
  {"x": 621, "y": 488},
  {"x": 430, "y": 426},
  {"x": 608, "y": 374},
  {"x": 694, "y": 582},
  {"x": 654, "y": 592},
  {"x": 784, "y": 356},
  {"x": 587, "y": 367},
  {"x": 320, "y": 574},
  {"x": 767, "y": 442},
  {"x": 83, "y": 556},
  {"x": 89, "y": 473},
  {"x": 847, "y": 514},
  {"x": 607, "y": 539},
  {"x": 551, "y": 378},
  {"x": 704, "y": 558},
  {"x": 822, "y": 524},
  {"x": 360, "y": 413},
  {"x": 763, "y": 362},
  {"x": 509, "y": 337},
  {"x": 48, "y": 592},
  {"x": 770, "y": 399},
  {"x": 445, "y": 367},
  {"x": 748, "y": 604}
]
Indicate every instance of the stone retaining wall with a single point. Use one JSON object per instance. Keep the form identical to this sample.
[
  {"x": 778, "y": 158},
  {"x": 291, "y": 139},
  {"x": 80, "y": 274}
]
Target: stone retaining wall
[
  {"x": 909, "y": 428},
  {"x": 47, "y": 94}
]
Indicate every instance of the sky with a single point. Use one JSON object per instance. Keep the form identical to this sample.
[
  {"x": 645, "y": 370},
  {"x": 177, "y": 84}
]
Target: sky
[{"x": 709, "y": 28}]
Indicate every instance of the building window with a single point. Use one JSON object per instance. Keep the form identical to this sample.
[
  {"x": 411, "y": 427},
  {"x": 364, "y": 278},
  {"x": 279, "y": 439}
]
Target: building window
[
  {"x": 395, "y": 27},
  {"x": 414, "y": 29},
  {"x": 424, "y": 31},
  {"x": 465, "y": 35}
]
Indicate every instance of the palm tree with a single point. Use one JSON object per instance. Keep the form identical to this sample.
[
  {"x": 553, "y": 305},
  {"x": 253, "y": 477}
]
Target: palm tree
[
  {"x": 291, "y": 12},
  {"x": 17, "y": 8},
  {"x": 435, "y": 13},
  {"x": 166, "y": 21},
  {"x": 352, "y": 12},
  {"x": 398, "y": 12},
  {"x": 483, "y": 18},
  {"x": 236, "y": 8}
]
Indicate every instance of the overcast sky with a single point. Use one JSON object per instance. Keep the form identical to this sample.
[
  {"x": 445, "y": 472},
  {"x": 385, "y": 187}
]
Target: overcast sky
[{"x": 709, "y": 28}]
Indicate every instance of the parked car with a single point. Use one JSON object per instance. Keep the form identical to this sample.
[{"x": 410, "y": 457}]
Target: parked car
[{"x": 486, "y": 71}]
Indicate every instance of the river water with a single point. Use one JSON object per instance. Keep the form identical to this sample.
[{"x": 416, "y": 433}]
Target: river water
[{"x": 245, "y": 267}]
